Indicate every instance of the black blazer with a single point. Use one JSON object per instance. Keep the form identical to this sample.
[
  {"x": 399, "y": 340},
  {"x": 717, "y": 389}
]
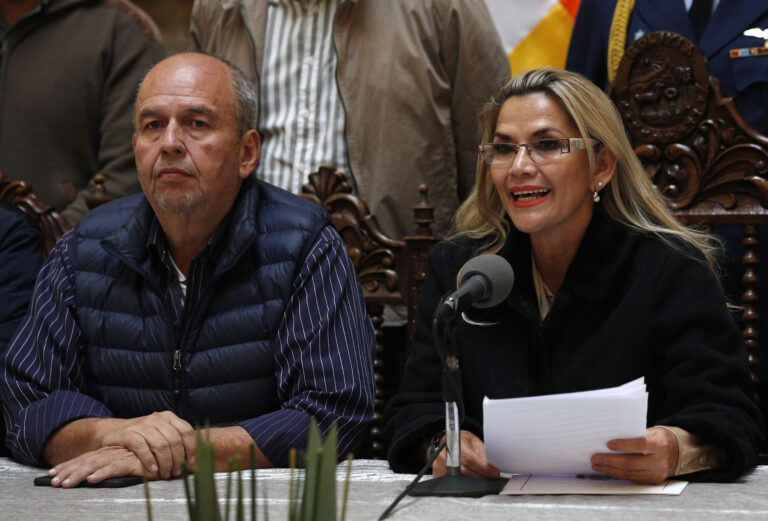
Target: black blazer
[{"x": 631, "y": 305}]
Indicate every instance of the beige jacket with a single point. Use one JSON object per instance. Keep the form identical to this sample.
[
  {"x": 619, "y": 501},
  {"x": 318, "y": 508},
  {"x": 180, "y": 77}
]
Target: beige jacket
[{"x": 412, "y": 74}]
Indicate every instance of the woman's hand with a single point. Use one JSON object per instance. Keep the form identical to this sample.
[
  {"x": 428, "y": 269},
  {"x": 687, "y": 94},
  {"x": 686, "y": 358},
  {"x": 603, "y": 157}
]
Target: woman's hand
[
  {"x": 473, "y": 461},
  {"x": 652, "y": 460}
]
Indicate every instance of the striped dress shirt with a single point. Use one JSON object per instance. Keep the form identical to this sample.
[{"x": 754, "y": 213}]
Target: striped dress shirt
[
  {"x": 323, "y": 356},
  {"x": 302, "y": 117}
]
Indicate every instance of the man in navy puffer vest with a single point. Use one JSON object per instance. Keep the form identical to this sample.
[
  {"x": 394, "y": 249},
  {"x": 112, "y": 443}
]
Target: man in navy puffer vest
[{"x": 211, "y": 297}]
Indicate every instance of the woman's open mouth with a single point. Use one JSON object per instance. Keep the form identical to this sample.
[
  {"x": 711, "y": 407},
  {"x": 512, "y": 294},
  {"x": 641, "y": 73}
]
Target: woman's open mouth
[{"x": 524, "y": 196}]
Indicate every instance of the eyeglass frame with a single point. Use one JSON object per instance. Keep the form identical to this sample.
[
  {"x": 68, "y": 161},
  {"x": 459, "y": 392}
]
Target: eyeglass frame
[{"x": 567, "y": 145}]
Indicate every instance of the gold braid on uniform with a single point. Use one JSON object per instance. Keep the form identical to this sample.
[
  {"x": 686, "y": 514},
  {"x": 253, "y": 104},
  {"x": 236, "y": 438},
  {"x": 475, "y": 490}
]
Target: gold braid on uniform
[{"x": 618, "y": 35}]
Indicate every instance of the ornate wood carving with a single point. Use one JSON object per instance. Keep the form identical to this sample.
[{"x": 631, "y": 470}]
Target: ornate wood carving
[
  {"x": 52, "y": 224},
  {"x": 699, "y": 151},
  {"x": 697, "y": 148},
  {"x": 391, "y": 271}
]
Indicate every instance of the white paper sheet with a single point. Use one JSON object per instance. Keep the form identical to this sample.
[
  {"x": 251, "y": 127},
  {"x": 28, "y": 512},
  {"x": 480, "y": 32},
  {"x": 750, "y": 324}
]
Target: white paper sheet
[
  {"x": 559, "y": 433},
  {"x": 598, "y": 485}
]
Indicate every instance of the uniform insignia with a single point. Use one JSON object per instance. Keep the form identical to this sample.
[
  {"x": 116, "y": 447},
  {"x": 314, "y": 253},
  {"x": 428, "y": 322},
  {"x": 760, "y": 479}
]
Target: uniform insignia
[
  {"x": 757, "y": 33},
  {"x": 746, "y": 52}
]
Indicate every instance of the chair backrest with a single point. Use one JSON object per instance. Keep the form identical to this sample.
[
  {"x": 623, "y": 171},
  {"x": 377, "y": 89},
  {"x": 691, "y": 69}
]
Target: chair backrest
[
  {"x": 697, "y": 148},
  {"x": 52, "y": 224},
  {"x": 391, "y": 271}
]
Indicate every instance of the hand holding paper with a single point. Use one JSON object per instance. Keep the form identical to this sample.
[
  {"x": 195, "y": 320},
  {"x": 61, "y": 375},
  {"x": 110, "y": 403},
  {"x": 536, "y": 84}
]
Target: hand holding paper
[
  {"x": 559, "y": 434},
  {"x": 651, "y": 459}
]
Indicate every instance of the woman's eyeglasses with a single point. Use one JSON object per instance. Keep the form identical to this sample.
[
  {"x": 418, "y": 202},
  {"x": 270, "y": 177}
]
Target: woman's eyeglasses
[{"x": 541, "y": 152}]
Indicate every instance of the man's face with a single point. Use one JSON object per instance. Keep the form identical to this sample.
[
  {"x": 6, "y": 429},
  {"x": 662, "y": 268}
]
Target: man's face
[{"x": 187, "y": 150}]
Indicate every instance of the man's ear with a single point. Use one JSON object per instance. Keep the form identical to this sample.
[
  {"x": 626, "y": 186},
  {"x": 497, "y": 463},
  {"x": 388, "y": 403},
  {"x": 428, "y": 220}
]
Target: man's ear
[
  {"x": 250, "y": 147},
  {"x": 605, "y": 165}
]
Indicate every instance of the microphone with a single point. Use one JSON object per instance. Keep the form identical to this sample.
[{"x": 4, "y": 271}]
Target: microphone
[{"x": 486, "y": 281}]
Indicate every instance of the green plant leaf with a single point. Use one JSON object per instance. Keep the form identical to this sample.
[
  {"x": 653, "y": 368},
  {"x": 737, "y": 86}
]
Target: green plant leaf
[
  {"x": 311, "y": 473},
  {"x": 316, "y": 486},
  {"x": 346, "y": 489},
  {"x": 146, "y": 492},
  {"x": 228, "y": 501},
  {"x": 240, "y": 515},
  {"x": 292, "y": 486},
  {"x": 325, "y": 504},
  {"x": 252, "y": 462},
  {"x": 298, "y": 492},
  {"x": 190, "y": 498},
  {"x": 207, "y": 503}
]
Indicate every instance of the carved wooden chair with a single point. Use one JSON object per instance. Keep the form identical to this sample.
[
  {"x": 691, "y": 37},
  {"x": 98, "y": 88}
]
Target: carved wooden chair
[
  {"x": 52, "y": 224},
  {"x": 699, "y": 150},
  {"x": 391, "y": 271}
]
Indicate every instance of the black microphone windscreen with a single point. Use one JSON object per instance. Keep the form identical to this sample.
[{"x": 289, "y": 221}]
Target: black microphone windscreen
[{"x": 497, "y": 271}]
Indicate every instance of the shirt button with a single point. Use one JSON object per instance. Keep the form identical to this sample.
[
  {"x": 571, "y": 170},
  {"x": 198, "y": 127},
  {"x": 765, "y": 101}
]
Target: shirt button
[{"x": 304, "y": 114}]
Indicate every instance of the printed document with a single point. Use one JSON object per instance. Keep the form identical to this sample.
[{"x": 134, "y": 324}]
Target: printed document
[{"x": 559, "y": 433}]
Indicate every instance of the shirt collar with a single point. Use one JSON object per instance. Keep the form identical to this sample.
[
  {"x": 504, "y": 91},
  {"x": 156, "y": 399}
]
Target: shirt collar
[
  {"x": 594, "y": 267},
  {"x": 157, "y": 243},
  {"x": 544, "y": 296},
  {"x": 689, "y": 3}
]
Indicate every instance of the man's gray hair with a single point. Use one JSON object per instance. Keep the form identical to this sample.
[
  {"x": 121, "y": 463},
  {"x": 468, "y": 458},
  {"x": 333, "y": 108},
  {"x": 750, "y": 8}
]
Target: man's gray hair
[{"x": 246, "y": 100}]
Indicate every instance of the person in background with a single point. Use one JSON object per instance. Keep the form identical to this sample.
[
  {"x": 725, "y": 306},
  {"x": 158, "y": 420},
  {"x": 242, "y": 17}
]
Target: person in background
[
  {"x": 609, "y": 287},
  {"x": 21, "y": 255},
  {"x": 68, "y": 77},
  {"x": 211, "y": 297},
  {"x": 385, "y": 92},
  {"x": 716, "y": 26}
]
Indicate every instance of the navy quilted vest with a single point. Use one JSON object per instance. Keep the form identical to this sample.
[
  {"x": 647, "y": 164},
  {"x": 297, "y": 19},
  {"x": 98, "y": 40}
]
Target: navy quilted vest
[{"x": 227, "y": 368}]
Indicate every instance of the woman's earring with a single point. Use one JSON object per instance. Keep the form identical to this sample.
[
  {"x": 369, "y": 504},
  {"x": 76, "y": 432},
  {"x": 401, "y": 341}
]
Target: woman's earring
[{"x": 595, "y": 194}]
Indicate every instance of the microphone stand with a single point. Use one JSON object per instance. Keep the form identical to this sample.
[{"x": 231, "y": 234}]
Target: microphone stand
[{"x": 455, "y": 484}]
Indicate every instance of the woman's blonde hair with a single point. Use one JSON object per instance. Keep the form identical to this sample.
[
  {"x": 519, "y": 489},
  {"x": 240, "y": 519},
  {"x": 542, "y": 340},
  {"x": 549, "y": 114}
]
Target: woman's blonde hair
[{"x": 629, "y": 198}]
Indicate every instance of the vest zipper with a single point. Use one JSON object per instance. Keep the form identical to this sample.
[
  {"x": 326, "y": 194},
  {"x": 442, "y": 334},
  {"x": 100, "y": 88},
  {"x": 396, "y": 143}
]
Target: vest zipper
[{"x": 176, "y": 371}]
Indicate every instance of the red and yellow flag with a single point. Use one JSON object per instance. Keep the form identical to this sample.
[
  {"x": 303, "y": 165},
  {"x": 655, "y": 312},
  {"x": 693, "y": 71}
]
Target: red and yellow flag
[{"x": 535, "y": 33}]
